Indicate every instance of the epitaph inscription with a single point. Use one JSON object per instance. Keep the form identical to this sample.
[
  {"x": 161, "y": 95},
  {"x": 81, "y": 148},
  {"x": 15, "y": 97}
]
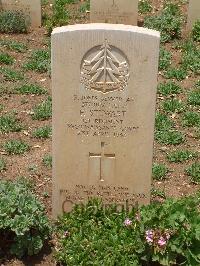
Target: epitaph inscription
[{"x": 102, "y": 116}]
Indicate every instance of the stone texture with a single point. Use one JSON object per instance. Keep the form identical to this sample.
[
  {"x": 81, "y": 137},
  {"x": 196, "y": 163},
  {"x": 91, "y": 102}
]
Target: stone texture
[
  {"x": 104, "y": 81},
  {"x": 193, "y": 13},
  {"x": 114, "y": 11},
  {"x": 29, "y": 7}
]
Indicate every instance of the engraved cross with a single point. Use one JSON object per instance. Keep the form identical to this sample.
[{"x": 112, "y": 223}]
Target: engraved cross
[{"x": 102, "y": 156}]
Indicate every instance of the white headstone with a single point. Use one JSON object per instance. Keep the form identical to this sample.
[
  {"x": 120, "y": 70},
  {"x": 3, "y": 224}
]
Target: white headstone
[
  {"x": 193, "y": 13},
  {"x": 31, "y": 8},
  {"x": 114, "y": 11},
  {"x": 104, "y": 81}
]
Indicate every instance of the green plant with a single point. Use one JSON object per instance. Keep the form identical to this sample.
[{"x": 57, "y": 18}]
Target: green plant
[
  {"x": 31, "y": 89},
  {"x": 194, "y": 172},
  {"x": 47, "y": 161},
  {"x": 190, "y": 57},
  {"x": 9, "y": 123},
  {"x": 43, "y": 111},
  {"x": 181, "y": 156},
  {"x": 159, "y": 171},
  {"x": 176, "y": 73},
  {"x": 158, "y": 193},
  {"x": 2, "y": 165},
  {"x": 156, "y": 234},
  {"x": 164, "y": 59},
  {"x": 42, "y": 132},
  {"x": 169, "y": 88},
  {"x": 169, "y": 137},
  {"x": 13, "y": 22},
  {"x": 172, "y": 106},
  {"x": 144, "y": 6},
  {"x": 16, "y": 147},
  {"x": 23, "y": 225},
  {"x": 39, "y": 61},
  {"x": 10, "y": 74},
  {"x": 162, "y": 122},
  {"x": 59, "y": 17},
  {"x": 6, "y": 59},
  {"x": 194, "y": 97},
  {"x": 13, "y": 45},
  {"x": 85, "y": 6},
  {"x": 169, "y": 22},
  {"x": 196, "y": 31},
  {"x": 191, "y": 119}
]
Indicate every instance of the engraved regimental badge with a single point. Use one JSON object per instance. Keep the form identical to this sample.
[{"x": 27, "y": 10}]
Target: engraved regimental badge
[{"x": 105, "y": 69}]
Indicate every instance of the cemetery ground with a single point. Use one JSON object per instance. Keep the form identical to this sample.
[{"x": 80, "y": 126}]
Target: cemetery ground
[{"x": 25, "y": 109}]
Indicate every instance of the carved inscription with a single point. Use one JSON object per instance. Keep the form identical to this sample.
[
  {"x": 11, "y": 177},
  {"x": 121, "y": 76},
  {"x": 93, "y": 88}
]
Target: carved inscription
[
  {"x": 105, "y": 69},
  {"x": 118, "y": 195},
  {"x": 102, "y": 116}
]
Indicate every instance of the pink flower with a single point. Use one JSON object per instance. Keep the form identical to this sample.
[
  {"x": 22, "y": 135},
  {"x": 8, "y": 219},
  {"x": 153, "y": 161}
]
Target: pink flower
[
  {"x": 149, "y": 234},
  {"x": 127, "y": 222},
  {"x": 162, "y": 241}
]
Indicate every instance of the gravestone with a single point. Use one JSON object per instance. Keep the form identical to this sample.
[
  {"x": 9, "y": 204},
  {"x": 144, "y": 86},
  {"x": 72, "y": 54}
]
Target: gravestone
[
  {"x": 193, "y": 13},
  {"x": 104, "y": 92},
  {"x": 32, "y": 8},
  {"x": 114, "y": 11}
]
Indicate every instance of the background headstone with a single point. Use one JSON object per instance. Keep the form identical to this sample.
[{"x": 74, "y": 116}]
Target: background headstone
[
  {"x": 31, "y": 8},
  {"x": 104, "y": 82},
  {"x": 114, "y": 11},
  {"x": 193, "y": 13}
]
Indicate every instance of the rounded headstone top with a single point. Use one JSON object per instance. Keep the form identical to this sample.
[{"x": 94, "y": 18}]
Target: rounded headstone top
[{"x": 106, "y": 26}]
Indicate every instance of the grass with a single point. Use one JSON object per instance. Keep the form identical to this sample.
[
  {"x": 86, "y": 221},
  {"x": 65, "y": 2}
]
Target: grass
[
  {"x": 14, "y": 45},
  {"x": 180, "y": 156},
  {"x": 2, "y": 165},
  {"x": 159, "y": 171},
  {"x": 47, "y": 161},
  {"x": 42, "y": 132},
  {"x": 31, "y": 89},
  {"x": 190, "y": 57},
  {"x": 9, "y": 123},
  {"x": 164, "y": 59},
  {"x": 16, "y": 147},
  {"x": 158, "y": 193},
  {"x": 194, "y": 97},
  {"x": 196, "y": 31},
  {"x": 39, "y": 61},
  {"x": 162, "y": 122},
  {"x": 144, "y": 7},
  {"x": 13, "y": 22},
  {"x": 194, "y": 172},
  {"x": 177, "y": 73},
  {"x": 172, "y": 106},
  {"x": 170, "y": 137},
  {"x": 169, "y": 88},
  {"x": 10, "y": 74},
  {"x": 43, "y": 111},
  {"x": 191, "y": 119},
  {"x": 6, "y": 59},
  {"x": 168, "y": 22}
]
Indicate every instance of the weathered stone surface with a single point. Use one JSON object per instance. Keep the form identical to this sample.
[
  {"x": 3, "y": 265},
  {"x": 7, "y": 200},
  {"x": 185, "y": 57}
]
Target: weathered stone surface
[
  {"x": 114, "y": 11},
  {"x": 29, "y": 7},
  {"x": 104, "y": 92},
  {"x": 193, "y": 13}
]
